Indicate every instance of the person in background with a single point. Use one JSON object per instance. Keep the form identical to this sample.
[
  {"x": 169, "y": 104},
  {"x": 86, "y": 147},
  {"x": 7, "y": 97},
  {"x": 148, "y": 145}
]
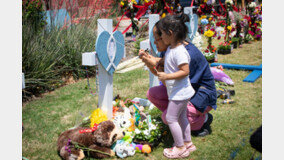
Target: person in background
[{"x": 202, "y": 81}]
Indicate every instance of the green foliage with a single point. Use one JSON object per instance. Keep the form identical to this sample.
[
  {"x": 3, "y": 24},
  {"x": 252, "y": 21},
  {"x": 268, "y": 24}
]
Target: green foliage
[
  {"x": 33, "y": 14},
  {"x": 151, "y": 135},
  {"x": 137, "y": 45},
  {"x": 49, "y": 57},
  {"x": 248, "y": 37},
  {"x": 235, "y": 39}
]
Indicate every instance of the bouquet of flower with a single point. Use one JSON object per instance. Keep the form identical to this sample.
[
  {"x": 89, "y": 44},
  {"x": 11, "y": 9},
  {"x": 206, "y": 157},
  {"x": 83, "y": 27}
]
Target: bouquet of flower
[
  {"x": 252, "y": 6},
  {"x": 209, "y": 34},
  {"x": 258, "y": 33},
  {"x": 221, "y": 23},
  {"x": 197, "y": 41},
  {"x": 209, "y": 53},
  {"x": 205, "y": 8},
  {"x": 248, "y": 37},
  {"x": 97, "y": 117},
  {"x": 148, "y": 132}
]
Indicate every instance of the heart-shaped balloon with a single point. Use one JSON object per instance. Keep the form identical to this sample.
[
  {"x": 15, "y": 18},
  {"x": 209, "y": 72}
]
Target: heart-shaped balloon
[{"x": 110, "y": 49}]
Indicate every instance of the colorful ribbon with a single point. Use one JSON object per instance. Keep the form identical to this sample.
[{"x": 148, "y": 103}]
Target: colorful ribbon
[{"x": 90, "y": 130}]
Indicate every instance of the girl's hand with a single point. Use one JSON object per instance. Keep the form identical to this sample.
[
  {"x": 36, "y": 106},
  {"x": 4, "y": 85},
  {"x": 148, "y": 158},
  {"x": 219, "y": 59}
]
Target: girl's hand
[
  {"x": 162, "y": 76},
  {"x": 142, "y": 53}
]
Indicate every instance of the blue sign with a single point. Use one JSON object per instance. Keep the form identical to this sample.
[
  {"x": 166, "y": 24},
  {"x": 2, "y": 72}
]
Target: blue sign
[{"x": 57, "y": 18}]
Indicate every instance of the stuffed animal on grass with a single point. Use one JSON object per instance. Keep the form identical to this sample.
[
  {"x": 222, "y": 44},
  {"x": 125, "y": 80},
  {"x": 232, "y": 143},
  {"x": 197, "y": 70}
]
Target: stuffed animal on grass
[
  {"x": 100, "y": 140},
  {"x": 123, "y": 149},
  {"x": 123, "y": 119}
]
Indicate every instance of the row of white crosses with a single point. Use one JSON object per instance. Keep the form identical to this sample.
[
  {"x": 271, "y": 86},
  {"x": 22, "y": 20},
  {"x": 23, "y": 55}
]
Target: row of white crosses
[{"x": 109, "y": 51}]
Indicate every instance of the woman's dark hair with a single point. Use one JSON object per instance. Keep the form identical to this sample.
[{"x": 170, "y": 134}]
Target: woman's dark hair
[
  {"x": 175, "y": 23},
  {"x": 158, "y": 28}
]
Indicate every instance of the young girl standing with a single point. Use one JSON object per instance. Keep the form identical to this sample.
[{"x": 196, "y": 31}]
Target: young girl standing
[{"x": 175, "y": 77}]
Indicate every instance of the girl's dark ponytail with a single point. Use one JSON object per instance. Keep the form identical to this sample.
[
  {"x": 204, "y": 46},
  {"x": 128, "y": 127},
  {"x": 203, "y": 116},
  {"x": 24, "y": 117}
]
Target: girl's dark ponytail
[{"x": 176, "y": 24}]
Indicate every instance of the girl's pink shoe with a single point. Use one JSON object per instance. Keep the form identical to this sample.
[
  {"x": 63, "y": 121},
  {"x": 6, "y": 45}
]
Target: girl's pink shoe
[
  {"x": 191, "y": 147},
  {"x": 176, "y": 153}
]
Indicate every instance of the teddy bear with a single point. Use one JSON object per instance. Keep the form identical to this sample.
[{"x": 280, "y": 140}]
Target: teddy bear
[
  {"x": 99, "y": 139},
  {"x": 122, "y": 119}
]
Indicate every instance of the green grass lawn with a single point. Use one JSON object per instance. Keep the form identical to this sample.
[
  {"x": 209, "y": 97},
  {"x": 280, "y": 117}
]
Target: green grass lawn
[{"x": 45, "y": 118}]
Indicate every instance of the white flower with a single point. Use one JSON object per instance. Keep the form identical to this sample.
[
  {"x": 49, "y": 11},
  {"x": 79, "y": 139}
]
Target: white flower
[
  {"x": 152, "y": 126},
  {"x": 197, "y": 41},
  {"x": 252, "y": 5},
  {"x": 146, "y": 132},
  {"x": 229, "y": 1},
  {"x": 137, "y": 131},
  {"x": 130, "y": 4}
]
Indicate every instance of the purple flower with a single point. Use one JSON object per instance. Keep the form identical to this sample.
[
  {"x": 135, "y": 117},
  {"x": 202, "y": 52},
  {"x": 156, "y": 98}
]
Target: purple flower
[
  {"x": 259, "y": 17},
  {"x": 258, "y": 36}
]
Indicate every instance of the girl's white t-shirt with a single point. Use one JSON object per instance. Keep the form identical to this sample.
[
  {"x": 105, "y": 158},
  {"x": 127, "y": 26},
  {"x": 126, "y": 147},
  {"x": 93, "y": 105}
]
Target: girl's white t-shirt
[{"x": 177, "y": 89}]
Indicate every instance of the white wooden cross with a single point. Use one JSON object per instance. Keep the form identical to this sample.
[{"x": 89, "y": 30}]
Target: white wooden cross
[
  {"x": 153, "y": 18},
  {"x": 109, "y": 51}
]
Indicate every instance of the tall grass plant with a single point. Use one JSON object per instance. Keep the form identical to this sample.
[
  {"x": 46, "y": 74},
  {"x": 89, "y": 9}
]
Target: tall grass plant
[{"x": 52, "y": 55}]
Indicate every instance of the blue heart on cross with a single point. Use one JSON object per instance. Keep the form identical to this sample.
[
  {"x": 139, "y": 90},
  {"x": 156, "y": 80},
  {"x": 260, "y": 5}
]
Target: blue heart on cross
[{"x": 110, "y": 49}]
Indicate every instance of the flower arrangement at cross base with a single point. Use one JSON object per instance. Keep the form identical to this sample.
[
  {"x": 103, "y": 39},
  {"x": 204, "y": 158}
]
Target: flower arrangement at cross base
[
  {"x": 228, "y": 28},
  {"x": 255, "y": 22},
  {"x": 225, "y": 47},
  {"x": 210, "y": 51},
  {"x": 148, "y": 132}
]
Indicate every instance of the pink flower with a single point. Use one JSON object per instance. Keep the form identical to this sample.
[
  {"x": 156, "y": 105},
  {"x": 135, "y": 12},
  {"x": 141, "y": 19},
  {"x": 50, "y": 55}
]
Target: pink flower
[{"x": 251, "y": 33}]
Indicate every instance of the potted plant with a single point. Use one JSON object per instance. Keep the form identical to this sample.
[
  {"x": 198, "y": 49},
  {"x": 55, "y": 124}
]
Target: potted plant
[
  {"x": 210, "y": 56},
  {"x": 235, "y": 42},
  {"x": 224, "y": 47}
]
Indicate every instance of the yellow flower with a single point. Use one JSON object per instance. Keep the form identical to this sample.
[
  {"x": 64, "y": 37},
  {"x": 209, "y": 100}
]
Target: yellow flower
[
  {"x": 146, "y": 1},
  {"x": 134, "y": 1},
  {"x": 122, "y": 3},
  {"x": 209, "y": 33},
  {"x": 209, "y": 19},
  {"x": 97, "y": 117},
  {"x": 203, "y": 17},
  {"x": 229, "y": 27},
  {"x": 163, "y": 15},
  {"x": 205, "y": 1}
]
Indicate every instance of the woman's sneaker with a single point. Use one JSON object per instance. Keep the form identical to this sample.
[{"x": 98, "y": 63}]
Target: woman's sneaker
[{"x": 205, "y": 129}]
